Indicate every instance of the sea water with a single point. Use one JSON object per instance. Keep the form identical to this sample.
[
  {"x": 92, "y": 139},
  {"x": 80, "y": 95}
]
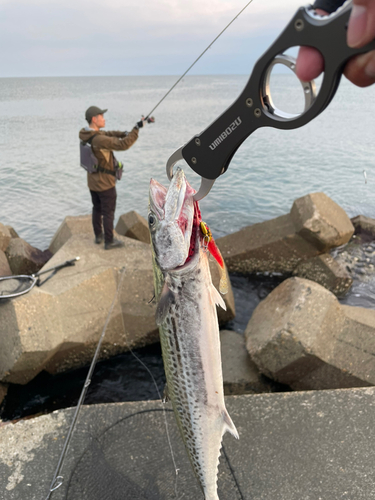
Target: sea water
[{"x": 41, "y": 181}]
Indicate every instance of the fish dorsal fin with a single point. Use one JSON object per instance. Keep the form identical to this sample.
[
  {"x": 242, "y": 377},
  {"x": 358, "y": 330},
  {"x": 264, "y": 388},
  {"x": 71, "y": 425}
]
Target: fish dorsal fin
[
  {"x": 229, "y": 425},
  {"x": 216, "y": 298},
  {"x": 167, "y": 298}
]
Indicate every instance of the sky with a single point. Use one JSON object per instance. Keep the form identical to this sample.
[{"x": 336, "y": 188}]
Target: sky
[{"x": 135, "y": 37}]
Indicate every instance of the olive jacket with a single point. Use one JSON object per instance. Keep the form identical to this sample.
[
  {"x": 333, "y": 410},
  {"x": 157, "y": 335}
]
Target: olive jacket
[{"x": 103, "y": 145}]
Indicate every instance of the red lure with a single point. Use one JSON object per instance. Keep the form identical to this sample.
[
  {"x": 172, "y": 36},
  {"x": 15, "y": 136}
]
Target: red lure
[{"x": 211, "y": 246}]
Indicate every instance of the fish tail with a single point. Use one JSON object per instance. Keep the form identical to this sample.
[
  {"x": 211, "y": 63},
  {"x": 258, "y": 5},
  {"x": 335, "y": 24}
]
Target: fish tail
[{"x": 229, "y": 425}]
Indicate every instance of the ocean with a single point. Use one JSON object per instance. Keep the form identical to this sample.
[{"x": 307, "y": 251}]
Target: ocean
[{"x": 41, "y": 181}]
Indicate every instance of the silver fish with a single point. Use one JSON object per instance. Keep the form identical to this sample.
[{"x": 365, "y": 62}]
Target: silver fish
[{"x": 188, "y": 325}]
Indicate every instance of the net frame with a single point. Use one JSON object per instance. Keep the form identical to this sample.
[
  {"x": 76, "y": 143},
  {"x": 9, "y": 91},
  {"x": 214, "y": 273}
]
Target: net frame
[
  {"x": 31, "y": 278},
  {"x": 34, "y": 278}
]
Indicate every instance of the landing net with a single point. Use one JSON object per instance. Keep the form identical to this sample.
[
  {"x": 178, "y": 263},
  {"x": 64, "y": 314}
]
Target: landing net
[{"x": 13, "y": 286}]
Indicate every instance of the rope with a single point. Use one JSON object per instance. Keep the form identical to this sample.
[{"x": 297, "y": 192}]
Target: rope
[{"x": 205, "y": 50}]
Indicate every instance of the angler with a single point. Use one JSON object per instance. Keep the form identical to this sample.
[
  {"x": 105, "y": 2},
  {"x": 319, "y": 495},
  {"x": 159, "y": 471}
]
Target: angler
[{"x": 188, "y": 324}]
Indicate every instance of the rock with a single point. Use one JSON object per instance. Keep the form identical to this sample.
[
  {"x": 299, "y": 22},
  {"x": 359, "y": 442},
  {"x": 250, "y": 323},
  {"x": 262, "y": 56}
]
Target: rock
[
  {"x": 24, "y": 258},
  {"x": 322, "y": 222},
  {"x": 240, "y": 373},
  {"x": 300, "y": 335},
  {"x": 71, "y": 225},
  {"x": 4, "y": 265},
  {"x": 314, "y": 225},
  {"x": 364, "y": 226},
  {"x": 324, "y": 270},
  {"x": 5, "y": 237},
  {"x": 56, "y": 327},
  {"x": 133, "y": 226},
  {"x": 3, "y": 391},
  {"x": 13, "y": 233}
]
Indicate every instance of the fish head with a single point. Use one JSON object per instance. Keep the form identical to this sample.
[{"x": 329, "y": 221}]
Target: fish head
[{"x": 170, "y": 220}]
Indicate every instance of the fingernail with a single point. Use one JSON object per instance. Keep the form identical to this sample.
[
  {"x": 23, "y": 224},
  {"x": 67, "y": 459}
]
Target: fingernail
[{"x": 357, "y": 25}]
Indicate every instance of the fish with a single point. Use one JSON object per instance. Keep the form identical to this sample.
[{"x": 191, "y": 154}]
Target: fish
[{"x": 187, "y": 319}]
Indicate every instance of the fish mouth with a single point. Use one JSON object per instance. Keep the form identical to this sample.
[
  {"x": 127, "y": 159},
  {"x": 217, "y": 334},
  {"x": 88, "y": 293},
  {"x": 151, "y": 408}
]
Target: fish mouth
[
  {"x": 194, "y": 239},
  {"x": 174, "y": 235}
]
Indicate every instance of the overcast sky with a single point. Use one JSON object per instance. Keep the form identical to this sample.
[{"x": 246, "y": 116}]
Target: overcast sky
[{"x": 135, "y": 37}]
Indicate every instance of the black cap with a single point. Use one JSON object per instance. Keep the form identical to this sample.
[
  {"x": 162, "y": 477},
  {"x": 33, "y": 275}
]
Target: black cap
[{"x": 93, "y": 111}]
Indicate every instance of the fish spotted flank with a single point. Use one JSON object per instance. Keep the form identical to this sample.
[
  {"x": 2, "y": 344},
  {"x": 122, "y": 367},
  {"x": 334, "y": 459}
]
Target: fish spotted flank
[{"x": 188, "y": 325}]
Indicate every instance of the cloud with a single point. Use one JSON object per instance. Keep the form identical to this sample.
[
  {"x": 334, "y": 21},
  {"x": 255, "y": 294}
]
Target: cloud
[{"x": 42, "y": 36}]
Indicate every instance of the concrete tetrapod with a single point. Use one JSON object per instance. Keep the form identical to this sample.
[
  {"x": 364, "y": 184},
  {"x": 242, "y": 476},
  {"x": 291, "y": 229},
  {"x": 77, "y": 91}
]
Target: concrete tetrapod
[
  {"x": 300, "y": 335},
  {"x": 56, "y": 327},
  {"x": 314, "y": 225}
]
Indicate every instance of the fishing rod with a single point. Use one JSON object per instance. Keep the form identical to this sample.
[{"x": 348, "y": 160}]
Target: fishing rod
[{"x": 205, "y": 50}]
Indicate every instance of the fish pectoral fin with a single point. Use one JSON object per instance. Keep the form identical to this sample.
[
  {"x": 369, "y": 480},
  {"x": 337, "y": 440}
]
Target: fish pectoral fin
[
  {"x": 229, "y": 425},
  {"x": 167, "y": 298},
  {"x": 216, "y": 298}
]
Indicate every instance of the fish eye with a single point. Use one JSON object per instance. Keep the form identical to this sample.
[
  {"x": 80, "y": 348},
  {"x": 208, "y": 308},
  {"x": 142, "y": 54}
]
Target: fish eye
[{"x": 151, "y": 219}]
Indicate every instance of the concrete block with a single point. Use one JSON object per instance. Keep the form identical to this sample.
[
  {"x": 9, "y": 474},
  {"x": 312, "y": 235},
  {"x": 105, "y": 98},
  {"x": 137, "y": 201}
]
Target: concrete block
[
  {"x": 71, "y": 225},
  {"x": 240, "y": 373},
  {"x": 56, "y": 327},
  {"x": 12, "y": 231},
  {"x": 324, "y": 270},
  {"x": 271, "y": 246},
  {"x": 322, "y": 222},
  {"x": 4, "y": 265},
  {"x": 5, "y": 237},
  {"x": 133, "y": 226},
  {"x": 364, "y": 226},
  {"x": 314, "y": 225},
  {"x": 293, "y": 446},
  {"x": 300, "y": 335},
  {"x": 24, "y": 258}
]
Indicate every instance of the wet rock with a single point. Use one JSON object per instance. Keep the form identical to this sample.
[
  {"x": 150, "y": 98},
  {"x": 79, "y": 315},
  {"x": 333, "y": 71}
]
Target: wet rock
[
  {"x": 5, "y": 237},
  {"x": 240, "y": 373},
  {"x": 4, "y": 265},
  {"x": 314, "y": 225},
  {"x": 324, "y": 270},
  {"x": 56, "y": 327},
  {"x": 322, "y": 222},
  {"x": 364, "y": 226},
  {"x": 24, "y": 258},
  {"x": 300, "y": 335},
  {"x": 133, "y": 226},
  {"x": 71, "y": 225}
]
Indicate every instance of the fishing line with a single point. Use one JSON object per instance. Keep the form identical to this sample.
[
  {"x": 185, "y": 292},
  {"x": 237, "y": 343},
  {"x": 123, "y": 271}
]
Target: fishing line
[
  {"x": 58, "y": 480},
  {"x": 205, "y": 50}
]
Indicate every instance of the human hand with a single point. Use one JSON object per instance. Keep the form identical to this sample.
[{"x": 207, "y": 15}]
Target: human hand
[
  {"x": 142, "y": 122},
  {"x": 360, "y": 70}
]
